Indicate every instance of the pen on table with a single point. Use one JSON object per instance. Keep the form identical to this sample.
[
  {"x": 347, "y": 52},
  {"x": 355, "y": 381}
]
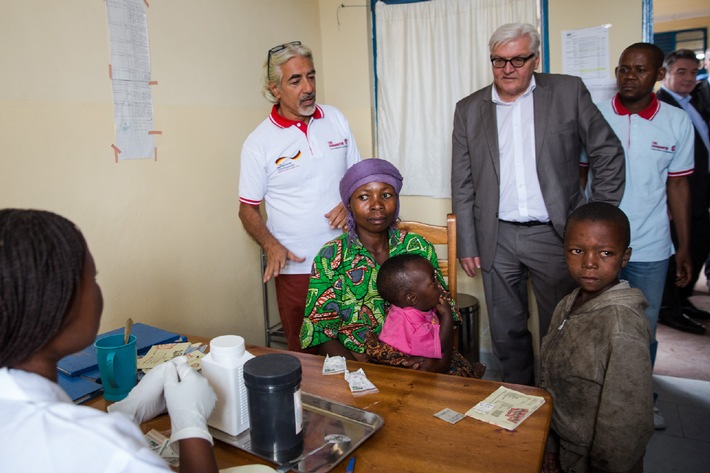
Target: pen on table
[{"x": 351, "y": 466}]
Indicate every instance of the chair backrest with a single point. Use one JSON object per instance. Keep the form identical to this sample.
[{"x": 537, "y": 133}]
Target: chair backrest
[{"x": 439, "y": 235}]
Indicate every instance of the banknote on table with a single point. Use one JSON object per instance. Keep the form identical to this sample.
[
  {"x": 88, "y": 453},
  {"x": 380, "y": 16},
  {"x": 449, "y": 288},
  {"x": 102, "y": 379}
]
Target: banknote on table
[
  {"x": 194, "y": 357},
  {"x": 161, "y": 353},
  {"x": 506, "y": 408},
  {"x": 160, "y": 444}
]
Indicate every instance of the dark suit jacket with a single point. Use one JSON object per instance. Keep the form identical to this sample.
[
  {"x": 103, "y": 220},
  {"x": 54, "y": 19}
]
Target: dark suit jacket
[
  {"x": 566, "y": 122},
  {"x": 699, "y": 181},
  {"x": 701, "y": 98}
]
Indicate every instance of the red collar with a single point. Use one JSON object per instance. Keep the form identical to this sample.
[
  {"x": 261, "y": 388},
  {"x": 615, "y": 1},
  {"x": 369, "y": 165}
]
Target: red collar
[
  {"x": 647, "y": 113},
  {"x": 282, "y": 122}
]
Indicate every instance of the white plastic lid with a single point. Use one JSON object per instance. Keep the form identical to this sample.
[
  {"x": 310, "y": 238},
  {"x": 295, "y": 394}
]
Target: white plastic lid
[{"x": 227, "y": 347}]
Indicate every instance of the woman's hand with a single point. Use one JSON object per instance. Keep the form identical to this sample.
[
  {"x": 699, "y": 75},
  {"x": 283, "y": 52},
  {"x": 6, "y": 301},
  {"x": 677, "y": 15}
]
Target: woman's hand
[
  {"x": 335, "y": 348},
  {"x": 415, "y": 363}
]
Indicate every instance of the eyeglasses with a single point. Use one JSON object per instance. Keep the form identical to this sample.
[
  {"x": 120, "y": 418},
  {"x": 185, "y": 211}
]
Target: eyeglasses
[
  {"x": 275, "y": 50},
  {"x": 516, "y": 62}
]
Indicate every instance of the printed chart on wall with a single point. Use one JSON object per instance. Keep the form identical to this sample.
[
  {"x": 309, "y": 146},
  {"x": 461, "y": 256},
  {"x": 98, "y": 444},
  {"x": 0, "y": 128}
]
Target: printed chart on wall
[
  {"x": 585, "y": 53},
  {"x": 130, "y": 77}
]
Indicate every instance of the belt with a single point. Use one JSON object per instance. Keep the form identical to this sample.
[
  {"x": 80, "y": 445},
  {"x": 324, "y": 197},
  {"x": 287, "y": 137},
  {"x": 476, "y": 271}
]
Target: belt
[{"x": 530, "y": 223}]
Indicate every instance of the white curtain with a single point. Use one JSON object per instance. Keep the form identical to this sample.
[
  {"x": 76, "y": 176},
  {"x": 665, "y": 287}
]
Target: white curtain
[{"x": 430, "y": 55}]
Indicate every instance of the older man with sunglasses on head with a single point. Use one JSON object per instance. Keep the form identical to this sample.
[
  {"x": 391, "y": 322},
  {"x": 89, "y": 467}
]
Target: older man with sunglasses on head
[
  {"x": 293, "y": 161},
  {"x": 514, "y": 179}
]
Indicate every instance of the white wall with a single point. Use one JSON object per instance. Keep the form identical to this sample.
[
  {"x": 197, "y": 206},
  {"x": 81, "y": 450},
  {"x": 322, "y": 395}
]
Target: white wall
[
  {"x": 167, "y": 242},
  {"x": 168, "y": 246}
]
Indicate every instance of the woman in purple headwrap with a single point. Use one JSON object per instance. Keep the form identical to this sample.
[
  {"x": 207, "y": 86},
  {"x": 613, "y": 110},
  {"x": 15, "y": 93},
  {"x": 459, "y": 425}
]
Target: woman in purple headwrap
[{"x": 343, "y": 304}]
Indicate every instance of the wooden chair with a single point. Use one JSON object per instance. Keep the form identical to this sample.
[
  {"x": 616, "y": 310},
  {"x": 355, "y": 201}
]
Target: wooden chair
[
  {"x": 467, "y": 331},
  {"x": 439, "y": 235}
]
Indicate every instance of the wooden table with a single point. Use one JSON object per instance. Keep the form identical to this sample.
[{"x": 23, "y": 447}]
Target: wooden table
[{"x": 412, "y": 439}]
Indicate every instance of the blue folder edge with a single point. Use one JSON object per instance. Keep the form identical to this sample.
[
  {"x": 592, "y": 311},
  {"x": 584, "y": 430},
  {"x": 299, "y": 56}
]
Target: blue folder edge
[
  {"x": 85, "y": 360},
  {"x": 78, "y": 388}
]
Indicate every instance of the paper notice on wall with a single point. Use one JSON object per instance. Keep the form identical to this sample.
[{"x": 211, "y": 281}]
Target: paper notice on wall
[
  {"x": 130, "y": 75},
  {"x": 601, "y": 90},
  {"x": 585, "y": 52}
]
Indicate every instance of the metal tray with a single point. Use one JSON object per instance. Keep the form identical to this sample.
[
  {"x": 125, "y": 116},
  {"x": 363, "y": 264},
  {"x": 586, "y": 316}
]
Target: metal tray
[{"x": 320, "y": 418}]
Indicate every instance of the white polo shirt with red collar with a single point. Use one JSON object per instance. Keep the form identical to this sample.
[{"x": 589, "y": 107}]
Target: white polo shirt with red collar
[
  {"x": 658, "y": 143},
  {"x": 295, "y": 168}
]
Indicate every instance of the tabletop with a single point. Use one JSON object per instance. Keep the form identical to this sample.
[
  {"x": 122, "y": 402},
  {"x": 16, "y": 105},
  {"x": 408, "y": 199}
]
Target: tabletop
[{"x": 412, "y": 439}]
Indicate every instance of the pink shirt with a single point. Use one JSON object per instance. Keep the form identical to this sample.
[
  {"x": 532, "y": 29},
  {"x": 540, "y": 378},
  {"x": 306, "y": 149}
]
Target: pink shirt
[{"x": 412, "y": 331}]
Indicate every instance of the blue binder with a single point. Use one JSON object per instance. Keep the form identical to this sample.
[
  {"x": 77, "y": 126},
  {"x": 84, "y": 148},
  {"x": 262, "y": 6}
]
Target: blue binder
[
  {"x": 78, "y": 388},
  {"x": 85, "y": 360}
]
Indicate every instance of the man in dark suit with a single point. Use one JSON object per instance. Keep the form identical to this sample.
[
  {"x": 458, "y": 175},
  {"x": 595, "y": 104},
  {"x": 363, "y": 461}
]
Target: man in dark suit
[
  {"x": 701, "y": 93},
  {"x": 677, "y": 311},
  {"x": 701, "y": 96},
  {"x": 515, "y": 178}
]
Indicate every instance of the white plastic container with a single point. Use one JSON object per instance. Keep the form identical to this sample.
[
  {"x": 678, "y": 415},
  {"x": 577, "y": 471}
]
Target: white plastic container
[{"x": 223, "y": 367}]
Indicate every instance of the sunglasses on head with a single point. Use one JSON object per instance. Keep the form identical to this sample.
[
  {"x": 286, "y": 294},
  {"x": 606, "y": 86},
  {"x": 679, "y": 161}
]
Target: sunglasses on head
[{"x": 276, "y": 50}]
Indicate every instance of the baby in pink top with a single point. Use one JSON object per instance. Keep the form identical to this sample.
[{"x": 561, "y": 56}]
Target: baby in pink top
[
  {"x": 418, "y": 331},
  {"x": 408, "y": 282}
]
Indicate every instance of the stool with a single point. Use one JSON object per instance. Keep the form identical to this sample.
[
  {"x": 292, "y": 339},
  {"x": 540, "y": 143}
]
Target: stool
[{"x": 469, "y": 340}]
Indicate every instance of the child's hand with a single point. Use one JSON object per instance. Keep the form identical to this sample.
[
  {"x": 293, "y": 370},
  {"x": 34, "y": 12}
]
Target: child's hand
[
  {"x": 551, "y": 462},
  {"x": 443, "y": 308}
]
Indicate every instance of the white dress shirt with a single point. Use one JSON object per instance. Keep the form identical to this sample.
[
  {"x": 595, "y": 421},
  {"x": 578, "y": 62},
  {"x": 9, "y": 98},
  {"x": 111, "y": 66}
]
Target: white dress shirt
[{"x": 520, "y": 194}]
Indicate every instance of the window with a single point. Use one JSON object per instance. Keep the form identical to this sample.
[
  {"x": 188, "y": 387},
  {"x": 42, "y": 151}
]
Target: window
[{"x": 695, "y": 39}]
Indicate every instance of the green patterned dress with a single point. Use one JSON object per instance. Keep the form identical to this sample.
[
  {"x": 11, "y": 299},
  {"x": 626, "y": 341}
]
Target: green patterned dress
[{"x": 343, "y": 302}]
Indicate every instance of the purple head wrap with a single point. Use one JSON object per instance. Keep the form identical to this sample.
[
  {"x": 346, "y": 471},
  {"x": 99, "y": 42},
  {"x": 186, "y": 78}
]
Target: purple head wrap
[{"x": 364, "y": 172}]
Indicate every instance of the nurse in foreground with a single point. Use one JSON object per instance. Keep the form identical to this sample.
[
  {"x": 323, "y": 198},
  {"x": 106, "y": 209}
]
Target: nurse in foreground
[{"x": 50, "y": 307}]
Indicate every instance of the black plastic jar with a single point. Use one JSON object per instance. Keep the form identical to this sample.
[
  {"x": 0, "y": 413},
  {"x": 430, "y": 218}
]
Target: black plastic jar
[{"x": 273, "y": 385}]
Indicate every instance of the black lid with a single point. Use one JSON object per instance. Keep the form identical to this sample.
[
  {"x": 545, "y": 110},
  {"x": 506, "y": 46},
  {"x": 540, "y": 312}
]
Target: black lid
[{"x": 271, "y": 371}]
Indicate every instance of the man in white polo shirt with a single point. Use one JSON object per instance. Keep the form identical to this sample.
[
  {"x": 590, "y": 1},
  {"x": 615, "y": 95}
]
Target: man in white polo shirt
[
  {"x": 658, "y": 142},
  {"x": 293, "y": 161}
]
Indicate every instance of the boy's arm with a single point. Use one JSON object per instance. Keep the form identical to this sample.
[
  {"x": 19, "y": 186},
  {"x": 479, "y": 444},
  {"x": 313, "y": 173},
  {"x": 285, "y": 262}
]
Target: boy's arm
[
  {"x": 624, "y": 422},
  {"x": 678, "y": 191}
]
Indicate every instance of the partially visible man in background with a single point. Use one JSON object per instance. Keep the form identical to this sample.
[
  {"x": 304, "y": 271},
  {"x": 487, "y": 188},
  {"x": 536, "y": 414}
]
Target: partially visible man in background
[
  {"x": 677, "y": 310},
  {"x": 701, "y": 94}
]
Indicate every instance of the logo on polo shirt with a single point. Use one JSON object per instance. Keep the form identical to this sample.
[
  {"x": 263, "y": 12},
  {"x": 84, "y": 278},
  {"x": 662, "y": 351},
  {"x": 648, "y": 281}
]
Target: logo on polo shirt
[
  {"x": 656, "y": 146},
  {"x": 284, "y": 163},
  {"x": 338, "y": 144}
]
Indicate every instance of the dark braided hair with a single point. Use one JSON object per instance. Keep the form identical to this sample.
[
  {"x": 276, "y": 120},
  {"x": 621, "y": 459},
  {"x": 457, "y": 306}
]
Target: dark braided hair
[{"x": 42, "y": 259}]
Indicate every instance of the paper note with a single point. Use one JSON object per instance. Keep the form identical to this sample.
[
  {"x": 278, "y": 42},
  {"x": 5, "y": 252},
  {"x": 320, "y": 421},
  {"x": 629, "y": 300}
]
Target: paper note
[
  {"x": 160, "y": 444},
  {"x": 130, "y": 74},
  {"x": 449, "y": 415},
  {"x": 506, "y": 408},
  {"x": 161, "y": 353},
  {"x": 585, "y": 52}
]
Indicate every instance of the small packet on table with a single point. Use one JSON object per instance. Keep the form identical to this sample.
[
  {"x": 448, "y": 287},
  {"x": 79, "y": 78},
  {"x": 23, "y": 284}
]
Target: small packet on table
[
  {"x": 359, "y": 384},
  {"x": 334, "y": 365},
  {"x": 449, "y": 415}
]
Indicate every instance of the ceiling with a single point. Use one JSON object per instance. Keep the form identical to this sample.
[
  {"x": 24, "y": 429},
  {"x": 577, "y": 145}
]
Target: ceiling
[{"x": 671, "y": 10}]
